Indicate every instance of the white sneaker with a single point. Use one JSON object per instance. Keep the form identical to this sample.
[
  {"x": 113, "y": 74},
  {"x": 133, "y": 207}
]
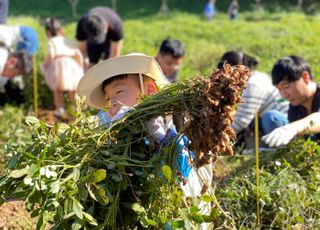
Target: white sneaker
[{"x": 59, "y": 112}]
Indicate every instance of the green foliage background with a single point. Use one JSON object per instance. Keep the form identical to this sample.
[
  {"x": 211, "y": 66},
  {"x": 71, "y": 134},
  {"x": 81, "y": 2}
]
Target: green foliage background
[
  {"x": 267, "y": 36},
  {"x": 141, "y": 8}
]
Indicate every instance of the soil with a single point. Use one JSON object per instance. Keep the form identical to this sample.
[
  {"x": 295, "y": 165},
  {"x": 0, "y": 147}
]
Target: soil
[
  {"x": 13, "y": 215},
  {"x": 220, "y": 169}
]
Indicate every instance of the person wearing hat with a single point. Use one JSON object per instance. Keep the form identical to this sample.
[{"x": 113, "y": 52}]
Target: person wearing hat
[
  {"x": 118, "y": 83},
  {"x": 134, "y": 73},
  {"x": 18, "y": 38},
  {"x": 99, "y": 32}
]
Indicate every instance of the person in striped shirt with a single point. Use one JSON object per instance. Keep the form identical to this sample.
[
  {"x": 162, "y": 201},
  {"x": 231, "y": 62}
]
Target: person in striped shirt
[{"x": 260, "y": 96}]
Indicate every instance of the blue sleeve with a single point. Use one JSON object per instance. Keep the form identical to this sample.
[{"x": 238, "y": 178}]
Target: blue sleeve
[{"x": 103, "y": 118}]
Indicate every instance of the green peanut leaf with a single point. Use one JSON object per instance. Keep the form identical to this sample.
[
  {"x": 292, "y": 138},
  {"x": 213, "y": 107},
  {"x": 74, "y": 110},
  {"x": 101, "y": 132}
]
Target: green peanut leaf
[
  {"x": 168, "y": 226},
  {"x": 32, "y": 121},
  {"x": 138, "y": 208},
  {"x": 167, "y": 172},
  {"x": 77, "y": 209},
  {"x": 12, "y": 162},
  {"x": 95, "y": 176},
  {"x": 151, "y": 222},
  {"x": 19, "y": 173},
  {"x": 76, "y": 225},
  {"x": 98, "y": 193},
  {"x": 177, "y": 224},
  {"x": 207, "y": 198},
  {"x": 111, "y": 165},
  {"x": 55, "y": 186},
  {"x": 67, "y": 207},
  {"x": 194, "y": 209},
  {"x": 90, "y": 219},
  {"x": 197, "y": 217},
  {"x": 215, "y": 213},
  {"x": 76, "y": 174},
  {"x": 82, "y": 191}
]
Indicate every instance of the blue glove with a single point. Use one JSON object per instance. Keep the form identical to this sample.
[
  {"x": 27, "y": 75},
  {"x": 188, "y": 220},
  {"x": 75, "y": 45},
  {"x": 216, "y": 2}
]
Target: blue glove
[{"x": 185, "y": 156}]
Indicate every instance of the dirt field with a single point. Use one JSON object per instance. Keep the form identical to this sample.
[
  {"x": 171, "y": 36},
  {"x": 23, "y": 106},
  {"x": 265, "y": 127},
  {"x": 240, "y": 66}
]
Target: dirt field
[{"x": 13, "y": 215}]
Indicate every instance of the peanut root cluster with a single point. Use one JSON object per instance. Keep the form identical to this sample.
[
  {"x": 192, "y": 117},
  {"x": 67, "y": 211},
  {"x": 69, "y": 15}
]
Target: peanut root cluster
[{"x": 210, "y": 129}]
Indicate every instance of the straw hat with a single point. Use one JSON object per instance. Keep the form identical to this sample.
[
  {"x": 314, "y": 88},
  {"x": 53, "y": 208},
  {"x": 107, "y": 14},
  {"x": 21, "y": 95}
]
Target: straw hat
[{"x": 90, "y": 85}]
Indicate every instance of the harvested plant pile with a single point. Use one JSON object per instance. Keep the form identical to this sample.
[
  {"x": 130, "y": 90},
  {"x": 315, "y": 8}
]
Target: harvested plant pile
[
  {"x": 205, "y": 107},
  {"x": 81, "y": 175}
]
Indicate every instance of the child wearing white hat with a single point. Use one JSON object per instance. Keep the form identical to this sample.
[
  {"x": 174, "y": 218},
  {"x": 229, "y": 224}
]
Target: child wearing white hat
[{"x": 118, "y": 83}]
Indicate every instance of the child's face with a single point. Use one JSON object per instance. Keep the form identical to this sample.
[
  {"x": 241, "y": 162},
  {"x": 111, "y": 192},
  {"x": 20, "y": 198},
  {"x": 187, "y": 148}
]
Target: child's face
[{"x": 122, "y": 92}]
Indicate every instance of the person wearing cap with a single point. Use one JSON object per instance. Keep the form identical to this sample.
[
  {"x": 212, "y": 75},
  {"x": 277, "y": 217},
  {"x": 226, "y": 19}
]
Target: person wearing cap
[
  {"x": 99, "y": 32},
  {"x": 17, "y": 38},
  {"x": 170, "y": 57},
  {"x": 118, "y": 83}
]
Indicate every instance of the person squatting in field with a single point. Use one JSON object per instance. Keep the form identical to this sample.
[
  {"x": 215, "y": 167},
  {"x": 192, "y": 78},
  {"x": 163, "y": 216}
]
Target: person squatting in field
[
  {"x": 293, "y": 77},
  {"x": 17, "y": 44},
  {"x": 119, "y": 82},
  {"x": 99, "y": 32},
  {"x": 12, "y": 65}
]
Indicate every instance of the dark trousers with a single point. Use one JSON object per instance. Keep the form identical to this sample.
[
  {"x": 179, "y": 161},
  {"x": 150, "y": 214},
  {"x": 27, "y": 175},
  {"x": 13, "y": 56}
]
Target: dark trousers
[{"x": 13, "y": 95}]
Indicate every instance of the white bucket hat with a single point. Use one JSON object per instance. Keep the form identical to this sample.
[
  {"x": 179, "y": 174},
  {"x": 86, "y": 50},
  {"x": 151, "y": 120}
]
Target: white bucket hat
[{"x": 90, "y": 85}]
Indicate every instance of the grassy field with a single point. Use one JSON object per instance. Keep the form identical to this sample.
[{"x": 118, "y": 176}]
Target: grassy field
[{"x": 267, "y": 36}]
